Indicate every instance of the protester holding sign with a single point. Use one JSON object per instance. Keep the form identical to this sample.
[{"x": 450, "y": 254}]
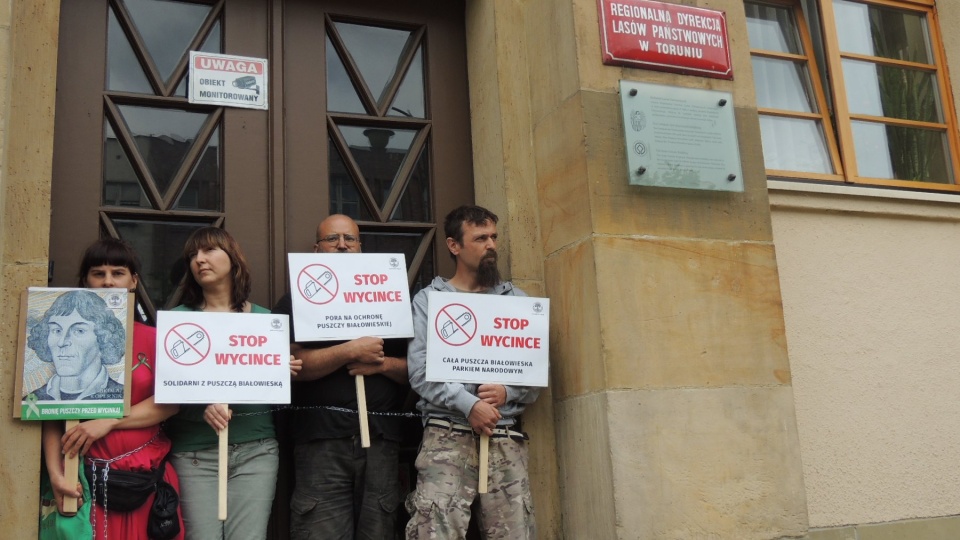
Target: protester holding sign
[
  {"x": 134, "y": 443},
  {"x": 219, "y": 281},
  {"x": 343, "y": 490},
  {"x": 455, "y": 413}
]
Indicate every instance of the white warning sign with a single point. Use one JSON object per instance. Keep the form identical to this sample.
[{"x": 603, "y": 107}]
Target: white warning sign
[{"x": 228, "y": 81}]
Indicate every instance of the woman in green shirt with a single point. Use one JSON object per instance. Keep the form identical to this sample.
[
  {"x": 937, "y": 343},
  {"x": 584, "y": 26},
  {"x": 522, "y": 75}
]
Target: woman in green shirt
[{"x": 219, "y": 281}]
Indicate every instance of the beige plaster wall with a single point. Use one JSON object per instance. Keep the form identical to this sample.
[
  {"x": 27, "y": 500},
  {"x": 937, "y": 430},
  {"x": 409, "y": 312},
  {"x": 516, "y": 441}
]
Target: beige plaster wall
[
  {"x": 28, "y": 60},
  {"x": 871, "y": 308}
]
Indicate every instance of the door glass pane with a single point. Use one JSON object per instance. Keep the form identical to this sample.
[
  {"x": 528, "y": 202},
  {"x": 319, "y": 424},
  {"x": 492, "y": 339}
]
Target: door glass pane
[
  {"x": 415, "y": 202},
  {"x": 782, "y": 84},
  {"x": 901, "y": 153},
  {"x": 794, "y": 144},
  {"x": 159, "y": 246},
  {"x": 124, "y": 72},
  {"x": 341, "y": 95},
  {"x": 376, "y": 51},
  {"x": 409, "y": 100},
  {"x": 167, "y": 28},
  {"x": 772, "y": 28},
  {"x": 163, "y": 137},
  {"x": 379, "y": 152},
  {"x": 406, "y": 243},
  {"x": 880, "y": 31},
  {"x": 203, "y": 189},
  {"x": 894, "y": 92},
  {"x": 210, "y": 45},
  {"x": 121, "y": 187},
  {"x": 344, "y": 196}
]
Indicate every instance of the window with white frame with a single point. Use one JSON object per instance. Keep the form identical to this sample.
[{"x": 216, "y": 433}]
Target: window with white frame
[{"x": 853, "y": 91}]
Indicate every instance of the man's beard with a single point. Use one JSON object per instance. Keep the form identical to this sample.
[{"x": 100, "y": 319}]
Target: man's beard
[{"x": 488, "y": 275}]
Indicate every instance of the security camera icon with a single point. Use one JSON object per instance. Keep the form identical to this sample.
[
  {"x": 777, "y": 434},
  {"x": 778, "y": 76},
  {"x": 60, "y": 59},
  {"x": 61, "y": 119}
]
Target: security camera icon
[
  {"x": 313, "y": 287},
  {"x": 449, "y": 328},
  {"x": 247, "y": 82},
  {"x": 180, "y": 348}
]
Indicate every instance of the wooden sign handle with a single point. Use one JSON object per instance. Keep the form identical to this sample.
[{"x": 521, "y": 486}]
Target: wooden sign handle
[
  {"x": 222, "y": 472},
  {"x": 71, "y": 471},
  {"x": 362, "y": 412},
  {"x": 484, "y": 465}
]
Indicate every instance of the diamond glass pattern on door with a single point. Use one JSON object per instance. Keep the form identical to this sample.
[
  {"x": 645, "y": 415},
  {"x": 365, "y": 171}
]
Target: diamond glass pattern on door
[
  {"x": 162, "y": 156},
  {"x": 379, "y": 129}
]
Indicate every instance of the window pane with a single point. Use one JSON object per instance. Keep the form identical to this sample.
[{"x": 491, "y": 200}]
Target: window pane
[
  {"x": 159, "y": 246},
  {"x": 910, "y": 94},
  {"x": 410, "y": 97},
  {"x": 379, "y": 152},
  {"x": 884, "y": 32},
  {"x": 782, "y": 84},
  {"x": 376, "y": 51},
  {"x": 210, "y": 45},
  {"x": 902, "y": 153},
  {"x": 794, "y": 144},
  {"x": 344, "y": 196},
  {"x": 163, "y": 137},
  {"x": 124, "y": 72},
  {"x": 202, "y": 191},
  {"x": 772, "y": 28},
  {"x": 121, "y": 186},
  {"x": 167, "y": 27},
  {"x": 415, "y": 202},
  {"x": 341, "y": 95}
]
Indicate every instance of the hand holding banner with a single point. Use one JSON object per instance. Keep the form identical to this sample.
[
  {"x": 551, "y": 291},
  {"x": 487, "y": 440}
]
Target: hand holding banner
[
  {"x": 338, "y": 296},
  {"x": 481, "y": 339}
]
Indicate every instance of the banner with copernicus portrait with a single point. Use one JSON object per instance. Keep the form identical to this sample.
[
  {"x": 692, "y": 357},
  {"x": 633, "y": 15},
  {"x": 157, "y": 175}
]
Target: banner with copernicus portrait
[{"x": 72, "y": 354}]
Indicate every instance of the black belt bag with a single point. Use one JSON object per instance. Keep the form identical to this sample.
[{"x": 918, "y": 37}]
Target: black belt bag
[{"x": 125, "y": 490}]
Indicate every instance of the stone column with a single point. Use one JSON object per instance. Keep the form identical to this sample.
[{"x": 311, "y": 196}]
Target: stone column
[
  {"x": 28, "y": 72},
  {"x": 671, "y": 402}
]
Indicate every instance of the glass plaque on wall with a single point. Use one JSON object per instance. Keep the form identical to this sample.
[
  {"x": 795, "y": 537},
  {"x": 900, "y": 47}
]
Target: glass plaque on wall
[{"x": 680, "y": 137}]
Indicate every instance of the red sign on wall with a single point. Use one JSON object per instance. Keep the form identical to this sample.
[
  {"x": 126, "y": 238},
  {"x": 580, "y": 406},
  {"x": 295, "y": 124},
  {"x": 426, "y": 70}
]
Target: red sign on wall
[{"x": 665, "y": 37}]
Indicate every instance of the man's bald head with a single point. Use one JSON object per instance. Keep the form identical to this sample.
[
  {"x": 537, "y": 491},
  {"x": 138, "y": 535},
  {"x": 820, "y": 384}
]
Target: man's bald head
[{"x": 338, "y": 234}]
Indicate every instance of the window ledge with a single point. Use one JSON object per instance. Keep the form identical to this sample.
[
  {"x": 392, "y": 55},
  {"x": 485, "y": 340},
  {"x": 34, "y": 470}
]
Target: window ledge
[{"x": 828, "y": 197}]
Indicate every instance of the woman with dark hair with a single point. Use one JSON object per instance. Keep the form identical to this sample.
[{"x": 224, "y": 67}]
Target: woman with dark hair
[
  {"x": 219, "y": 281},
  {"x": 132, "y": 443}
]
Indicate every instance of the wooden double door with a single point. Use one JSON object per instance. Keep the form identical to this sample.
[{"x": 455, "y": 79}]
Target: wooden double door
[{"x": 368, "y": 116}]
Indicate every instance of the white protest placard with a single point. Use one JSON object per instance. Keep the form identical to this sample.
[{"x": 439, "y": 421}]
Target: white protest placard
[
  {"x": 485, "y": 338},
  {"x": 339, "y": 296},
  {"x": 222, "y": 358},
  {"x": 228, "y": 81}
]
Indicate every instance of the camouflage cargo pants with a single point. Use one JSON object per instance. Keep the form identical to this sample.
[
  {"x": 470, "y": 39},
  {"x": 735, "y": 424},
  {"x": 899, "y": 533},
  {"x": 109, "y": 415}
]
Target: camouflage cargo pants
[{"x": 447, "y": 472}]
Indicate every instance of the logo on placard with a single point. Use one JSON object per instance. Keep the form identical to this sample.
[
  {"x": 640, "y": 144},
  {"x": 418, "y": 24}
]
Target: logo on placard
[
  {"x": 537, "y": 307},
  {"x": 394, "y": 263},
  {"x": 456, "y": 324},
  {"x": 318, "y": 284},
  {"x": 640, "y": 148},
  {"x": 187, "y": 344},
  {"x": 276, "y": 324},
  {"x": 114, "y": 300}
]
